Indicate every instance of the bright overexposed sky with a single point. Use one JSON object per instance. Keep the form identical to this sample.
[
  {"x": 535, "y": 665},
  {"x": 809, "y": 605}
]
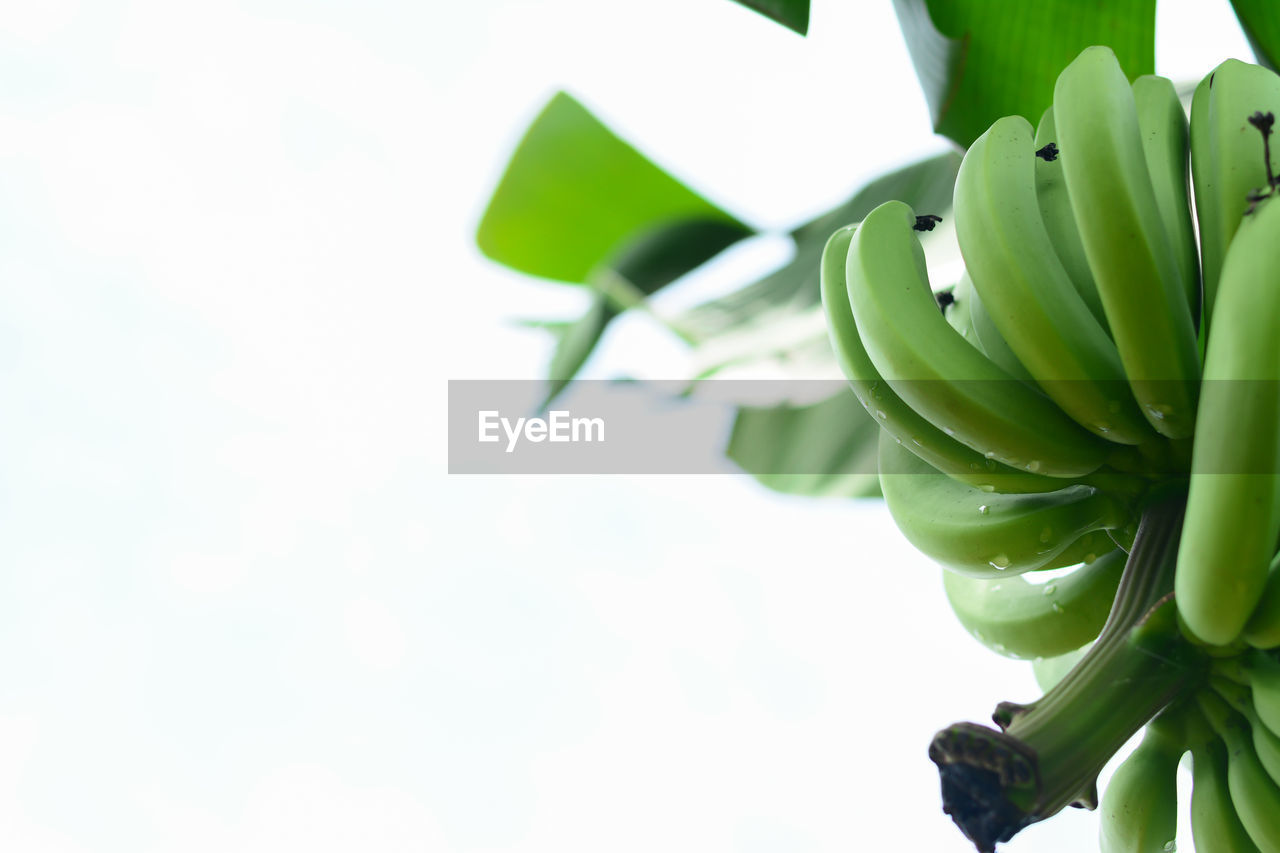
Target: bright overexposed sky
[{"x": 243, "y": 606}]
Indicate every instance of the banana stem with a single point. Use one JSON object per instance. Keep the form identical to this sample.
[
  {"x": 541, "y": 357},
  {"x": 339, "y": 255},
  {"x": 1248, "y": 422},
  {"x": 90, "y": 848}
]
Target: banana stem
[{"x": 995, "y": 783}]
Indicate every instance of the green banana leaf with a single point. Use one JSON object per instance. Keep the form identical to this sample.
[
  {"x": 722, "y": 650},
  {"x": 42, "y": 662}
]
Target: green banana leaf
[
  {"x": 1260, "y": 20},
  {"x": 793, "y": 14},
  {"x": 825, "y": 449},
  {"x": 580, "y": 205},
  {"x": 978, "y": 60}
]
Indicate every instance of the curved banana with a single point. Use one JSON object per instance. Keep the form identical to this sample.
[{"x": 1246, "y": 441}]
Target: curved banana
[
  {"x": 1262, "y": 631},
  {"x": 1255, "y": 796},
  {"x": 1129, "y": 253},
  {"x": 1233, "y": 503},
  {"x": 991, "y": 342},
  {"x": 1215, "y": 826},
  {"x": 1266, "y": 743},
  {"x": 982, "y": 534},
  {"x": 1165, "y": 140},
  {"x": 1210, "y": 255},
  {"x": 1059, "y": 221},
  {"x": 1023, "y": 620},
  {"x": 895, "y": 416},
  {"x": 1139, "y": 808},
  {"x": 957, "y": 312},
  {"x": 1027, "y": 290},
  {"x": 1227, "y": 161},
  {"x": 1263, "y": 673},
  {"x": 1049, "y": 671},
  {"x": 937, "y": 373}
]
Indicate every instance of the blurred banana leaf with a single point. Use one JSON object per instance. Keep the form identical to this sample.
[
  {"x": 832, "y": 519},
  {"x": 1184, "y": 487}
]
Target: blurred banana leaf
[
  {"x": 580, "y": 205},
  {"x": 979, "y": 60},
  {"x": 826, "y": 449},
  {"x": 793, "y": 14}
]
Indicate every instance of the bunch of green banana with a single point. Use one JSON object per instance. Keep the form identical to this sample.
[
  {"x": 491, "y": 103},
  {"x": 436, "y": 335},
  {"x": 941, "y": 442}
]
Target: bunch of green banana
[{"x": 1092, "y": 360}]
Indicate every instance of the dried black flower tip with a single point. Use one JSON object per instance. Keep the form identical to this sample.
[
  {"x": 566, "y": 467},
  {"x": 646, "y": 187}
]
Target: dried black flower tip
[
  {"x": 926, "y": 222},
  {"x": 1049, "y": 153},
  {"x": 1263, "y": 121},
  {"x": 944, "y": 298}
]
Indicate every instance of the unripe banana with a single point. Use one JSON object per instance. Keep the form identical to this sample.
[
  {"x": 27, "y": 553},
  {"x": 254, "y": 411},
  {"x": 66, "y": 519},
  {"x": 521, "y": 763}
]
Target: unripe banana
[
  {"x": 1210, "y": 255},
  {"x": 1266, "y": 743},
  {"x": 1139, "y": 809},
  {"x": 937, "y": 373},
  {"x": 1263, "y": 673},
  {"x": 895, "y": 416},
  {"x": 1059, "y": 221},
  {"x": 1049, "y": 671},
  {"x": 1023, "y": 620},
  {"x": 1215, "y": 826},
  {"x": 1165, "y": 140},
  {"x": 985, "y": 534},
  {"x": 959, "y": 313},
  {"x": 1233, "y": 503},
  {"x": 1255, "y": 796},
  {"x": 991, "y": 342},
  {"x": 1262, "y": 631},
  {"x": 1227, "y": 160},
  {"x": 1027, "y": 291},
  {"x": 1129, "y": 253}
]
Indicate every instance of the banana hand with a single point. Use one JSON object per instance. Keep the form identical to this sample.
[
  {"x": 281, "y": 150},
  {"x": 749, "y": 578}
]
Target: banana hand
[
  {"x": 1028, "y": 292},
  {"x": 1215, "y": 826},
  {"x": 937, "y": 373},
  {"x": 895, "y": 416},
  {"x": 1255, "y": 796},
  {"x": 1130, "y": 255}
]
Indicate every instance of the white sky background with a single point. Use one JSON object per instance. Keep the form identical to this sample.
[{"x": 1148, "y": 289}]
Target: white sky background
[{"x": 243, "y": 607}]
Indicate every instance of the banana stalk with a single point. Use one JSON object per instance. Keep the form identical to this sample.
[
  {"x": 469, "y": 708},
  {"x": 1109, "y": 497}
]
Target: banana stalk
[{"x": 1048, "y": 754}]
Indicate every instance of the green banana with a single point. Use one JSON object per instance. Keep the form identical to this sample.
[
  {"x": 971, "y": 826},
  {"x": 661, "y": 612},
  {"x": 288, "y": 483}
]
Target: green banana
[
  {"x": 1262, "y": 631},
  {"x": 1233, "y": 502},
  {"x": 991, "y": 342},
  {"x": 1263, "y": 673},
  {"x": 1059, "y": 221},
  {"x": 1028, "y": 292},
  {"x": 1210, "y": 255},
  {"x": 1023, "y": 620},
  {"x": 1049, "y": 671},
  {"x": 937, "y": 373},
  {"x": 984, "y": 534},
  {"x": 959, "y": 313},
  {"x": 1215, "y": 826},
  {"x": 1266, "y": 743},
  {"x": 895, "y": 416},
  {"x": 1227, "y": 161},
  {"x": 1129, "y": 253},
  {"x": 1166, "y": 141},
  {"x": 1139, "y": 808},
  {"x": 1255, "y": 796}
]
